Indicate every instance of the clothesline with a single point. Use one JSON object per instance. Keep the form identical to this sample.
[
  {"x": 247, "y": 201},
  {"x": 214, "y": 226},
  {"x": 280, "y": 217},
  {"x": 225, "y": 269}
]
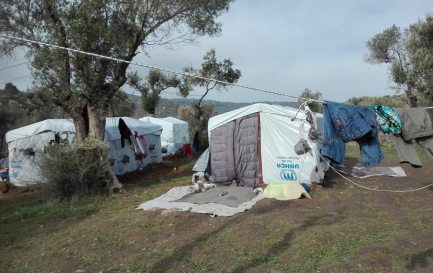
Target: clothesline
[
  {"x": 162, "y": 69},
  {"x": 157, "y": 68},
  {"x": 14, "y": 65}
]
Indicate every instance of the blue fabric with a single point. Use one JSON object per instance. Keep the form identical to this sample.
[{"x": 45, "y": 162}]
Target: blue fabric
[
  {"x": 4, "y": 175},
  {"x": 343, "y": 123}
]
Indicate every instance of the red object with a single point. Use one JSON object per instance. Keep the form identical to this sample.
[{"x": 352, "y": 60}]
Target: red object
[{"x": 187, "y": 150}]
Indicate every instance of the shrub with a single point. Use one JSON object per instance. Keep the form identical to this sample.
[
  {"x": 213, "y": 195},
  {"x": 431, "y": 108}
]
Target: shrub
[{"x": 76, "y": 170}]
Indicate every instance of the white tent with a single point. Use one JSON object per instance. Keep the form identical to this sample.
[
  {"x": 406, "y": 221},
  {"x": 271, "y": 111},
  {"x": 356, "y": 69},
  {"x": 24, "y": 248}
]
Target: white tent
[
  {"x": 256, "y": 144},
  {"x": 26, "y": 146},
  {"x": 125, "y": 158},
  {"x": 174, "y": 132}
]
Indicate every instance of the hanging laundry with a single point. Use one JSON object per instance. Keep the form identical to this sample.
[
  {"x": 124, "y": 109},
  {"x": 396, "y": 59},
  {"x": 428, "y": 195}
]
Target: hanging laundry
[
  {"x": 343, "y": 123},
  {"x": 302, "y": 147},
  {"x": 125, "y": 133},
  {"x": 137, "y": 150},
  {"x": 387, "y": 118},
  {"x": 313, "y": 133},
  {"x": 417, "y": 125},
  {"x": 143, "y": 144}
]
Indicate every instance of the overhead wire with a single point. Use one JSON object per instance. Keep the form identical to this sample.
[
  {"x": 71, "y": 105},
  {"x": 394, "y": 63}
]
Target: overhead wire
[
  {"x": 157, "y": 68},
  {"x": 15, "y": 65}
]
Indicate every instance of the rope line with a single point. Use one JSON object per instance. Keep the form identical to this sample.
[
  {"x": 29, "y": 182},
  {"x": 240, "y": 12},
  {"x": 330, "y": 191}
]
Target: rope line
[
  {"x": 157, "y": 68},
  {"x": 10, "y": 66},
  {"x": 372, "y": 189}
]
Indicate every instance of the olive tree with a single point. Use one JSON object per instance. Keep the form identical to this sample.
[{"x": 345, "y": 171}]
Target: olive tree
[
  {"x": 84, "y": 85},
  {"x": 221, "y": 71},
  {"x": 409, "y": 53}
]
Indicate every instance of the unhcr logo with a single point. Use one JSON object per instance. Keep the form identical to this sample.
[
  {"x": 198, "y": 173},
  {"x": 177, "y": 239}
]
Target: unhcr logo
[
  {"x": 288, "y": 175},
  {"x": 287, "y": 166}
]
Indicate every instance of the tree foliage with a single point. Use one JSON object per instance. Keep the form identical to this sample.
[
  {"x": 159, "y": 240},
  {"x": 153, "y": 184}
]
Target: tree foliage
[
  {"x": 189, "y": 114},
  {"x": 150, "y": 89},
  {"x": 211, "y": 68},
  {"x": 84, "y": 85},
  {"x": 22, "y": 108},
  {"x": 224, "y": 74},
  {"x": 409, "y": 53},
  {"x": 396, "y": 101},
  {"x": 121, "y": 105},
  {"x": 308, "y": 94}
]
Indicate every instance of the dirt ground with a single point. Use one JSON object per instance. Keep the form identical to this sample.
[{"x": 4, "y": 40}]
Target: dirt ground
[{"x": 341, "y": 229}]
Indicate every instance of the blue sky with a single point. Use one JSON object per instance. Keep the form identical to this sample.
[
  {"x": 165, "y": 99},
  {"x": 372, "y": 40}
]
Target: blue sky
[{"x": 288, "y": 46}]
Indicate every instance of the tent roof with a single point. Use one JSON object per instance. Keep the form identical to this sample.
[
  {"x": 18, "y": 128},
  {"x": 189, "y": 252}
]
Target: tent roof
[
  {"x": 165, "y": 121},
  {"x": 53, "y": 125},
  {"x": 222, "y": 119},
  {"x": 141, "y": 127},
  {"x": 66, "y": 125},
  {"x": 174, "y": 120}
]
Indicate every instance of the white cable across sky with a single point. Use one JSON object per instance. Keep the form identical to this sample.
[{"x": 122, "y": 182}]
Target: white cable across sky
[
  {"x": 154, "y": 67},
  {"x": 14, "y": 65}
]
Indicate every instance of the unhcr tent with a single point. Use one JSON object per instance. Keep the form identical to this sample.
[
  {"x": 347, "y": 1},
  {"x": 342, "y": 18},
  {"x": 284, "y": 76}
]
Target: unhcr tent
[
  {"x": 26, "y": 146},
  {"x": 132, "y": 157},
  {"x": 256, "y": 143},
  {"x": 174, "y": 132}
]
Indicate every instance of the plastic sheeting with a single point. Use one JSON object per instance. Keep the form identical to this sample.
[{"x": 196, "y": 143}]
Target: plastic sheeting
[
  {"x": 141, "y": 127},
  {"x": 174, "y": 132},
  {"x": 165, "y": 201},
  {"x": 48, "y": 125},
  {"x": 202, "y": 162}
]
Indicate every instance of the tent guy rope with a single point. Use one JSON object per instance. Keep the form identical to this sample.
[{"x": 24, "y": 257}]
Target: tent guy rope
[
  {"x": 373, "y": 189},
  {"x": 154, "y": 67}
]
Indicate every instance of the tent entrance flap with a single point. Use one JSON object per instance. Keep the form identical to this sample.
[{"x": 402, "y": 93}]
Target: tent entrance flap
[
  {"x": 234, "y": 151},
  {"x": 246, "y": 150}
]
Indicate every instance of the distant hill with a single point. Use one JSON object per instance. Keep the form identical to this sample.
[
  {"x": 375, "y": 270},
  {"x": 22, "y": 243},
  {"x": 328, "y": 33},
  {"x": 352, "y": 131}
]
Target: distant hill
[{"x": 169, "y": 107}]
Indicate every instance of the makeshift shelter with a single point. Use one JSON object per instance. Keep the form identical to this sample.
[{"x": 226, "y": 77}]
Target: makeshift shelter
[
  {"x": 4, "y": 163},
  {"x": 256, "y": 144},
  {"x": 26, "y": 146},
  {"x": 135, "y": 154},
  {"x": 174, "y": 133}
]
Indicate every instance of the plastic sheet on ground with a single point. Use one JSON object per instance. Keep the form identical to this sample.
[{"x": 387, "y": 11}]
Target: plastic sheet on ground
[
  {"x": 364, "y": 172},
  {"x": 168, "y": 201}
]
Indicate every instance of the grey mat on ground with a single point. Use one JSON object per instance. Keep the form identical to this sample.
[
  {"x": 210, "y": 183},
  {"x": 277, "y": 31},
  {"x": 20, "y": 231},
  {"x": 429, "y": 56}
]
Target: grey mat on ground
[
  {"x": 225, "y": 195},
  {"x": 364, "y": 172}
]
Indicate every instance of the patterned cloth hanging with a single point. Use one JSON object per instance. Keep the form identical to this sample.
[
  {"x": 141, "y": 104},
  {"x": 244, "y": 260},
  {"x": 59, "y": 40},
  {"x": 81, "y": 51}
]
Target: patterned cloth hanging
[{"x": 387, "y": 118}]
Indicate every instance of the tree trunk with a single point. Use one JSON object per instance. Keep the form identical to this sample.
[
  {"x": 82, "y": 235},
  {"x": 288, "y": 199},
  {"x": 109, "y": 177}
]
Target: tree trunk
[
  {"x": 97, "y": 129},
  {"x": 80, "y": 118},
  {"x": 412, "y": 99},
  {"x": 96, "y": 123},
  {"x": 88, "y": 122}
]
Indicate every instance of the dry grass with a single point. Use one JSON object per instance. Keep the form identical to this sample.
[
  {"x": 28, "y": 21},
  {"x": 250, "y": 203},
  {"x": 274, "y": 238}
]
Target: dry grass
[{"x": 342, "y": 229}]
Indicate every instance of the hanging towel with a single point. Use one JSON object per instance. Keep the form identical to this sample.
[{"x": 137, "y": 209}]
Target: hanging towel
[
  {"x": 387, "y": 118},
  {"x": 143, "y": 144}
]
